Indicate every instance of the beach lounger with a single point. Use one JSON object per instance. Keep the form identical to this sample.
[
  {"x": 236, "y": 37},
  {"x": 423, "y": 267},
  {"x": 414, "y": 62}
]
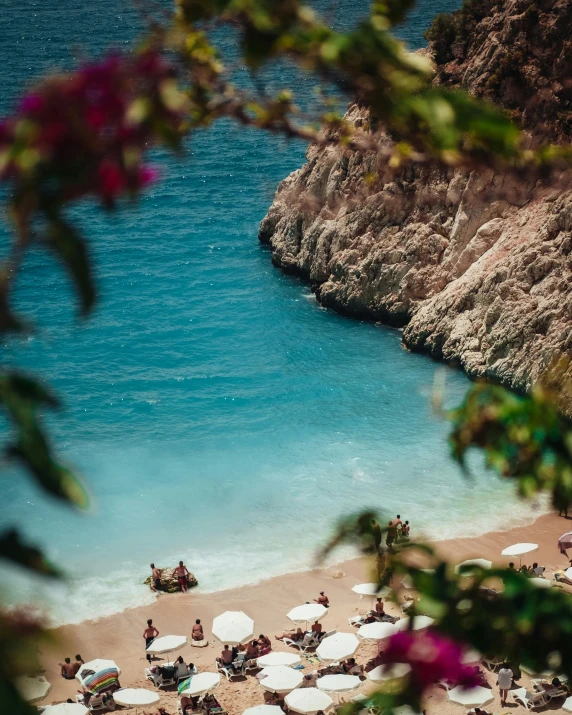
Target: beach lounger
[
  {"x": 493, "y": 664},
  {"x": 308, "y": 641},
  {"x": 158, "y": 680},
  {"x": 528, "y": 699},
  {"x": 251, "y": 664},
  {"x": 97, "y": 702},
  {"x": 229, "y": 672}
]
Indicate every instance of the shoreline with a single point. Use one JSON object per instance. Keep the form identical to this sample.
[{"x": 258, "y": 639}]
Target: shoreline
[{"x": 119, "y": 636}]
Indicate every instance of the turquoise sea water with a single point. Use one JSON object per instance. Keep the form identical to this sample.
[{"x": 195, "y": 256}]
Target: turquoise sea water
[{"x": 218, "y": 414}]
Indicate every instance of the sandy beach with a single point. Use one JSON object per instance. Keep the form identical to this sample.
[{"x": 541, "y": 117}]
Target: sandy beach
[{"x": 119, "y": 637}]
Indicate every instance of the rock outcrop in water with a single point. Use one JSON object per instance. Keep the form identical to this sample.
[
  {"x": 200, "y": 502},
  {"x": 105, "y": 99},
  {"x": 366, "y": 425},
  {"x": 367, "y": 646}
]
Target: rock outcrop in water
[
  {"x": 170, "y": 583},
  {"x": 482, "y": 283}
]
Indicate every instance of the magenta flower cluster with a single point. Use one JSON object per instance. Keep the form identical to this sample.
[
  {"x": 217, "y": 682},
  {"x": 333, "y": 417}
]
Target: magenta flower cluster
[
  {"x": 87, "y": 132},
  {"x": 432, "y": 657}
]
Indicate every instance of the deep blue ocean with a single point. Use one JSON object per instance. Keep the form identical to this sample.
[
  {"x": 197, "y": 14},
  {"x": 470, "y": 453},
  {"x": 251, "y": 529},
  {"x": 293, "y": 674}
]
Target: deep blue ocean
[{"x": 217, "y": 413}]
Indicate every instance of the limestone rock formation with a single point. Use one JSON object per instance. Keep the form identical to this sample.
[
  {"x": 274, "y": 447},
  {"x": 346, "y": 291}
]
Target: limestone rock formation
[
  {"x": 477, "y": 268},
  {"x": 170, "y": 583}
]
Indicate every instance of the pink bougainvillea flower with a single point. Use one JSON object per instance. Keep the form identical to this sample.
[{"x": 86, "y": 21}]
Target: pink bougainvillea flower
[
  {"x": 112, "y": 180},
  {"x": 432, "y": 657}
]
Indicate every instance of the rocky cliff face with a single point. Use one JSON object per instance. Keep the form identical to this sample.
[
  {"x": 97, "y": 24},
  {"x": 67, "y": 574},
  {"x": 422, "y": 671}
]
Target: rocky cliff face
[{"x": 477, "y": 269}]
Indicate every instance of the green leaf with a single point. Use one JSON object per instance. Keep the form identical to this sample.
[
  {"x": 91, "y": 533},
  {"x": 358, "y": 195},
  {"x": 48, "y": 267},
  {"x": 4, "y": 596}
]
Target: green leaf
[
  {"x": 21, "y": 397},
  {"x": 72, "y": 250},
  {"x": 13, "y": 549}
]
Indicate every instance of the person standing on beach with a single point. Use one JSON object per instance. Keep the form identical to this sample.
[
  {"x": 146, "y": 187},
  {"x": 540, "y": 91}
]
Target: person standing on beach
[
  {"x": 150, "y": 633},
  {"x": 182, "y": 573},
  {"x": 504, "y": 682}
]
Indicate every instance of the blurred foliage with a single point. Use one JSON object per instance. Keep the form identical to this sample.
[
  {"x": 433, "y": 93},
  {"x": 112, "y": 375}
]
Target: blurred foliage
[
  {"x": 523, "y": 437},
  {"x": 86, "y": 134}
]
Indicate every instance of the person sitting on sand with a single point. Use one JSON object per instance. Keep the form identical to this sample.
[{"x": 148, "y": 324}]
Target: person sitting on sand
[
  {"x": 182, "y": 574},
  {"x": 538, "y": 570},
  {"x": 68, "y": 669},
  {"x": 317, "y": 629},
  {"x": 197, "y": 633},
  {"x": 309, "y": 680},
  {"x": 265, "y": 644},
  {"x": 155, "y": 578},
  {"x": 79, "y": 661},
  {"x": 296, "y": 635},
  {"x": 380, "y": 607},
  {"x": 323, "y": 600}
]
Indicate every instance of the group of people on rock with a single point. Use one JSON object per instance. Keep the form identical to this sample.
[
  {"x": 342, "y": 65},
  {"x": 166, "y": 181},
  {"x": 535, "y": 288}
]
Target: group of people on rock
[{"x": 181, "y": 572}]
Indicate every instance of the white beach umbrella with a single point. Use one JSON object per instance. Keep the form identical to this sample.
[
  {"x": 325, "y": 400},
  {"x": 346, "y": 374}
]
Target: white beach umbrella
[
  {"x": 419, "y": 622},
  {"x": 371, "y": 589},
  {"x": 233, "y": 627},
  {"x": 280, "y": 679},
  {"x": 407, "y": 581},
  {"x": 518, "y": 551},
  {"x": 541, "y": 582},
  {"x": 263, "y": 710},
  {"x": 471, "y": 657},
  {"x": 307, "y": 612},
  {"x": 308, "y": 701},
  {"x": 277, "y": 657},
  {"x": 471, "y": 697},
  {"x": 95, "y": 666},
  {"x": 338, "y": 683},
  {"x": 66, "y": 709},
  {"x": 479, "y": 563},
  {"x": 337, "y": 646},
  {"x": 377, "y": 631},
  {"x": 135, "y": 697},
  {"x": 567, "y": 704},
  {"x": 32, "y": 689},
  {"x": 568, "y": 572},
  {"x": 167, "y": 644},
  {"x": 390, "y": 671},
  {"x": 202, "y": 683}
]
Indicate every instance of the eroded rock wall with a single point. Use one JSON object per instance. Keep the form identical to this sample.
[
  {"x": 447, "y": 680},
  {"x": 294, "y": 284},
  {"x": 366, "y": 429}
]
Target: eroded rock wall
[{"x": 476, "y": 268}]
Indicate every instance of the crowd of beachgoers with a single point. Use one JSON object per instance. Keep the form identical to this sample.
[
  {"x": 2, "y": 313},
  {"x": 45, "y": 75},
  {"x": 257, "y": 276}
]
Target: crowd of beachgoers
[{"x": 311, "y": 667}]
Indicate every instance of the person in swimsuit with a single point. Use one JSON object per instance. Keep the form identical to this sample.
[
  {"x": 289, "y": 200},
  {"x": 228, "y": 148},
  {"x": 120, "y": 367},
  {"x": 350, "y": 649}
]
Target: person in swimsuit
[
  {"x": 296, "y": 635},
  {"x": 317, "y": 630},
  {"x": 155, "y": 578},
  {"x": 265, "y": 644},
  {"x": 150, "y": 633},
  {"x": 68, "y": 669},
  {"x": 197, "y": 632},
  {"x": 182, "y": 573},
  {"x": 323, "y": 600}
]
